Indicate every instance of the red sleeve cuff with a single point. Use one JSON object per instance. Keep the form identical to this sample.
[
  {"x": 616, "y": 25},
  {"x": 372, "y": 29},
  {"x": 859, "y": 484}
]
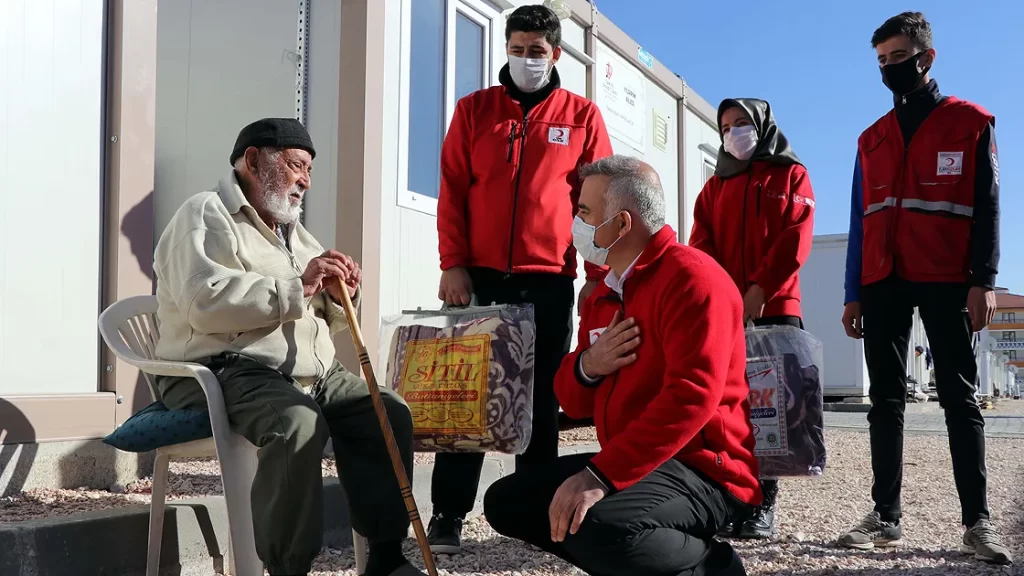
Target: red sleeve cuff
[
  {"x": 449, "y": 262},
  {"x": 614, "y": 479}
]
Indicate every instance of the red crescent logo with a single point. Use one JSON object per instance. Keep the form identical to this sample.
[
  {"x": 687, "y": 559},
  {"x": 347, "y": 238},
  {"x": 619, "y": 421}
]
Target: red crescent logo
[
  {"x": 950, "y": 161},
  {"x": 608, "y": 70}
]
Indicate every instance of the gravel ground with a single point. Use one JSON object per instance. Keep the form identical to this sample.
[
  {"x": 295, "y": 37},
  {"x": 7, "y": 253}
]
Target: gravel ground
[
  {"x": 188, "y": 479},
  {"x": 812, "y": 513}
]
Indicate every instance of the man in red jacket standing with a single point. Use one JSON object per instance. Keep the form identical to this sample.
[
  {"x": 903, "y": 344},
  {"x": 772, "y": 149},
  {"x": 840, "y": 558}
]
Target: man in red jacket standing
[
  {"x": 755, "y": 217},
  {"x": 924, "y": 232},
  {"x": 661, "y": 368},
  {"x": 509, "y": 188}
]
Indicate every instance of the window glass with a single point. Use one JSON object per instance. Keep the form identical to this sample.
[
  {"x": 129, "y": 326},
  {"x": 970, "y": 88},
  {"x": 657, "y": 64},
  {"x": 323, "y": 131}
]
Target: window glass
[
  {"x": 426, "y": 96},
  {"x": 469, "y": 56}
]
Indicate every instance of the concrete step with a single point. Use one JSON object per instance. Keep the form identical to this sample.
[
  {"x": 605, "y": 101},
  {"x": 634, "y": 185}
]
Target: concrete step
[{"x": 113, "y": 542}]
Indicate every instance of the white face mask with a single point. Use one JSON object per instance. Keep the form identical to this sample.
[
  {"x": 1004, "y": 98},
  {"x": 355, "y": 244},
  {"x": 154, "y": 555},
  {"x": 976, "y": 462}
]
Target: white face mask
[
  {"x": 740, "y": 141},
  {"x": 583, "y": 241},
  {"x": 529, "y": 74}
]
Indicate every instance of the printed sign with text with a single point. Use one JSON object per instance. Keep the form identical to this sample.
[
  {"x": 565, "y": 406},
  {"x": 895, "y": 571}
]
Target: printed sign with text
[{"x": 767, "y": 406}]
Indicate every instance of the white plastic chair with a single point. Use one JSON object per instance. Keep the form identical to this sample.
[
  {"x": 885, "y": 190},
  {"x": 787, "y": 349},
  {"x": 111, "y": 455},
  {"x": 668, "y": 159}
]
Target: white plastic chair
[{"x": 129, "y": 328}]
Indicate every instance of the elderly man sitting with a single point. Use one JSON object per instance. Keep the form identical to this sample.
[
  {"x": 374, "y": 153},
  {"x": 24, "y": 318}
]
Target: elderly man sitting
[
  {"x": 245, "y": 290},
  {"x": 661, "y": 367}
]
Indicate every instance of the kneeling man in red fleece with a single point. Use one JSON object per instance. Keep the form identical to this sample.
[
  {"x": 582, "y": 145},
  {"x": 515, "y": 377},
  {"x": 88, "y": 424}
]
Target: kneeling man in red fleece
[{"x": 661, "y": 368}]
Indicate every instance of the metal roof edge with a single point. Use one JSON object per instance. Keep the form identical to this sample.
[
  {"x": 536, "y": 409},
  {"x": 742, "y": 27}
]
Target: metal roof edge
[
  {"x": 700, "y": 106},
  {"x": 609, "y": 33}
]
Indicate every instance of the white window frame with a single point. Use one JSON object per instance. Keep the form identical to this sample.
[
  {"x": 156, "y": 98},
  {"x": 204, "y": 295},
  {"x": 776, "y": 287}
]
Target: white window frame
[
  {"x": 706, "y": 161},
  {"x": 483, "y": 13}
]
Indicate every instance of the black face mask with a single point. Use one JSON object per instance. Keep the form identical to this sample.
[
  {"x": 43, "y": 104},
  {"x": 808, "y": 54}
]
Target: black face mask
[{"x": 904, "y": 77}]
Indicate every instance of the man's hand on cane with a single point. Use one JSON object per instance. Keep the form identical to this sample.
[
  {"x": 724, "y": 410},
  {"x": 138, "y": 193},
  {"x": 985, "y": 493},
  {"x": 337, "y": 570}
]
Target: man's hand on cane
[{"x": 349, "y": 274}]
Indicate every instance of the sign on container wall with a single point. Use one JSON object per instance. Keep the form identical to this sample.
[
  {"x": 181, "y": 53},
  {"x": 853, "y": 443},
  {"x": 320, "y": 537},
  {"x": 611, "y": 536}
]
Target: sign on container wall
[{"x": 622, "y": 98}]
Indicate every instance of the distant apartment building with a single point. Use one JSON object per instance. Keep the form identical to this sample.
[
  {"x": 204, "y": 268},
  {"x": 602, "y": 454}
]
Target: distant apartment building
[
  {"x": 1007, "y": 331},
  {"x": 1007, "y": 327}
]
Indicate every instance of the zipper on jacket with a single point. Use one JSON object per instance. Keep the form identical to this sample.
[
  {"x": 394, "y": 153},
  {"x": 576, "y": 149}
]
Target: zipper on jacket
[
  {"x": 321, "y": 369},
  {"x": 515, "y": 191},
  {"x": 511, "y": 141},
  {"x": 891, "y": 230},
  {"x": 743, "y": 230}
]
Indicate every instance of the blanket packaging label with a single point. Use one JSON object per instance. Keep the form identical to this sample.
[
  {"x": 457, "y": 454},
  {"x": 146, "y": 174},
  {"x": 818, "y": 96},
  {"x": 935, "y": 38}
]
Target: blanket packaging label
[
  {"x": 444, "y": 381},
  {"x": 767, "y": 409}
]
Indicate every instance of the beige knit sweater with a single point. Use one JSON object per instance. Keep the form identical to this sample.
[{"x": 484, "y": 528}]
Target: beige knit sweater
[{"x": 226, "y": 282}]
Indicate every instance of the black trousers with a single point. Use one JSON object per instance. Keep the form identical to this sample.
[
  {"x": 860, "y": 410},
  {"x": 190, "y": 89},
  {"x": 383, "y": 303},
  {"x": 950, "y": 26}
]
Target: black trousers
[
  {"x": 770, "y": 486},
  {"x": 661, "y": 526},
  {"x": 888, "y": 308},
  {"x": 456, "y": 477}
]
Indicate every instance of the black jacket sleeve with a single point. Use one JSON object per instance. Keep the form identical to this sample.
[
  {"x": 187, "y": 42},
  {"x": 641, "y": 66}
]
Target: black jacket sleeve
[{"x": 985, "y": 229}]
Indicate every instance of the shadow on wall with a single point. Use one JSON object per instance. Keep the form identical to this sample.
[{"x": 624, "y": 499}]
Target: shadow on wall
[
  {"x": 17, "y": 448},
  {"x": 138, "y": 227}
]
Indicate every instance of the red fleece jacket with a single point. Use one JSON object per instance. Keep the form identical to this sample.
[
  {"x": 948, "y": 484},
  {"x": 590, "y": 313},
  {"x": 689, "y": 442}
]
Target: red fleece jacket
[
  {"x": 510, "y": 182},
  {"x": 686, "y": 395},
  {"x": 759, "y": 226}
]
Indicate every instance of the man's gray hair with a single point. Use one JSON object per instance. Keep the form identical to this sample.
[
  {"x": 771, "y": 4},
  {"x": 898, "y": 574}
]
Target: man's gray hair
[
  {"x": 634, "y": 186},
  {"x": 270, "y": 152}
]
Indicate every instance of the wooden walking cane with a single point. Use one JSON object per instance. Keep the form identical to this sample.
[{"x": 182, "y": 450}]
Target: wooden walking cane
[{"x": 385, "y": 426}]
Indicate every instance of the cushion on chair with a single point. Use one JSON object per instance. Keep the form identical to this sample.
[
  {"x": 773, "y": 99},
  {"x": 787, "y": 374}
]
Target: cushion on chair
[{"x": 155, "y": 427}]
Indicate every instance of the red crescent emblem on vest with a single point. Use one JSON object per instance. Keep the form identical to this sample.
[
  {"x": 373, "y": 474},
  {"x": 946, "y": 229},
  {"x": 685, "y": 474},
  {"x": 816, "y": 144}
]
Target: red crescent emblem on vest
[{"x": 950, "y": 161}]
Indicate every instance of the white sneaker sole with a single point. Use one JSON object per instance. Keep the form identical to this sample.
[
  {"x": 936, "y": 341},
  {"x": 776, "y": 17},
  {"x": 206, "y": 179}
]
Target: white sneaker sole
[
  {"x": 972, "y": 551},
  {"x": 872, "y": 545},
  {"x": 445, "y": 549}
]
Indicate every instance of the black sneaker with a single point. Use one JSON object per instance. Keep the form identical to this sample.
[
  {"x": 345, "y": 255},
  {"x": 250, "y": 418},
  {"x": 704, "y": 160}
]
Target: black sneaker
[
  {"x": 444, "y": 534},
  {"x": 760, "y": 525}
]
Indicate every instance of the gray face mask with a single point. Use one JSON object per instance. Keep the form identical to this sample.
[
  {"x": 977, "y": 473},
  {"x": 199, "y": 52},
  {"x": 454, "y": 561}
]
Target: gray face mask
[{"x": 583, "y": 241}]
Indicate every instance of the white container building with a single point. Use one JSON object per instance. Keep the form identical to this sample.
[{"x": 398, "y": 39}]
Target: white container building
[{"x": 116, "y": 111}]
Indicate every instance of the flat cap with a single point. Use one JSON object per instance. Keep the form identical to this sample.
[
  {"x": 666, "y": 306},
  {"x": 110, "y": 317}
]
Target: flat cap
[{"x": 275, "y": 133}]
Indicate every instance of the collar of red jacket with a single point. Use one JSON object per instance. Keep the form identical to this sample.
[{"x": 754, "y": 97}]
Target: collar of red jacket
[{"x": 658, "y": 244}]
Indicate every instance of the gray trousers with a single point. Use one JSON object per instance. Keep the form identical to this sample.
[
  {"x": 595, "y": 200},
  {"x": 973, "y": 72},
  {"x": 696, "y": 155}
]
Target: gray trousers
[{"x": 290, "y": 427}]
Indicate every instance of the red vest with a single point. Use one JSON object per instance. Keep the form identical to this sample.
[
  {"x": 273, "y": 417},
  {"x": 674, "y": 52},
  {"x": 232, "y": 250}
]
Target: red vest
[{"x": 918, "y": 200}]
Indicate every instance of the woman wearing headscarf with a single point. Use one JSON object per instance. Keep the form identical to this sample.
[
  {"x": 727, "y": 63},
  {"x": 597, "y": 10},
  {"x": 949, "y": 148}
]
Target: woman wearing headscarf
[{"x": 755, "y": 216}]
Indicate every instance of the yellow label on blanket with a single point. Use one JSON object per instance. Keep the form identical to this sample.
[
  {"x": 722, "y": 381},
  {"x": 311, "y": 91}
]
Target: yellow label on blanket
[{"x": 445, "y": 383}]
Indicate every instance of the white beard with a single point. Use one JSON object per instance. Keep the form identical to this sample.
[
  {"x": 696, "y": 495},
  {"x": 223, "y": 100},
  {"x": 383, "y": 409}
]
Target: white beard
[
  {"x": 279, "y": 206},
  {"x": 277, "y": 202}
]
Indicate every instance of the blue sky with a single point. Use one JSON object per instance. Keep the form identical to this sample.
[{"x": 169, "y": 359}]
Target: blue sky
[{"x": 813, "y": 61}]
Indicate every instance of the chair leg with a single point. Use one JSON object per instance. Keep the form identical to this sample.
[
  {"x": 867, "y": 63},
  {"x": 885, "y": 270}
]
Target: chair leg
[
  {"x": 238, "y": 467},
  {"x": 360, "y": 548},
  {"x": 156, "y": 514}
]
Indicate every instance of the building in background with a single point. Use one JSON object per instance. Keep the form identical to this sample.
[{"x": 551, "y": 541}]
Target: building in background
[
  {"x": 1008, "y": 326},
  {"x": 1007, "y": 333},
  {"x": 118, "y": 110}
]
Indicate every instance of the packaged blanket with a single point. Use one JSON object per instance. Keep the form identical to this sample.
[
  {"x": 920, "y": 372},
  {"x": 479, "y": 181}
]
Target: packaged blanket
[
  {"x": 467, "y": 376},
  {"x": 784, "y": 369}
]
